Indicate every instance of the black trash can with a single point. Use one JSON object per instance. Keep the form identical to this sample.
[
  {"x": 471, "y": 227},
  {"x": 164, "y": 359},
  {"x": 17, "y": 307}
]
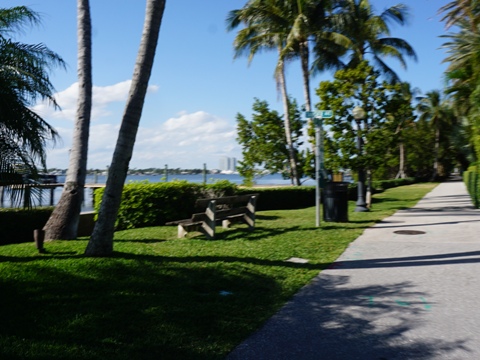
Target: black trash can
[{"x": 335, "y": 202}]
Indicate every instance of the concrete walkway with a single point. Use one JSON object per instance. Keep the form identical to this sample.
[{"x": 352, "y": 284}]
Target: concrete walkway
[{"x": 390, "y": 295}]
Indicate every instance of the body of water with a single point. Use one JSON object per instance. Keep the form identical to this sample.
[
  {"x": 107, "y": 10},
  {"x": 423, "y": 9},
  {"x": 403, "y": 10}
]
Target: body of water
[{"x": 274, "y": 179}]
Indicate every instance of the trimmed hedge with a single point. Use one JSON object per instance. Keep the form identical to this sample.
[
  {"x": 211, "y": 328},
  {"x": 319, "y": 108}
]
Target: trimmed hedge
[
  {"x": 382, "y": 185},
  {"x": 152, "y": 204},
  {"x": 17, "y": 225},
  {"x": 472, "y": 182},
  {"x": 282, "y": 198}
]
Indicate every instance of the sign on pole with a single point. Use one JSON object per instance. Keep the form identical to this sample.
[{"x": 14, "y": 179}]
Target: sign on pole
[
  {"x": 322, "y": 114},
  {"x": 326, "y": 114},
  {"x": 318, "y": 117}
]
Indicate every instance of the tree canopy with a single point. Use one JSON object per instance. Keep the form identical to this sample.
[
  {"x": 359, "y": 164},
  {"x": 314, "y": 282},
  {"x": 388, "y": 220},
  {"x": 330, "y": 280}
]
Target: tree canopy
[{"x": 24, "y": 79}]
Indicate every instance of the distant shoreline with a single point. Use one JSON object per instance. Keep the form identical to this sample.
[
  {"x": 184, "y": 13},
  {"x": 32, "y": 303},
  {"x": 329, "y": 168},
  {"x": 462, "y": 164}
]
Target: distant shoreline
[{"x": 92, "y": 182}]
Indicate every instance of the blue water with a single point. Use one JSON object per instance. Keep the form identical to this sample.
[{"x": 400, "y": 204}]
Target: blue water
[{"x": 274, "y": 179}]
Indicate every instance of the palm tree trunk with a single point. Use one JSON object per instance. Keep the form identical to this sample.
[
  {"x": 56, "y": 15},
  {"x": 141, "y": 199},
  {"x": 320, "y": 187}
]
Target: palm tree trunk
[
  {"x": 304, "y": 58},
  {"x": 401, "y": 169},
  {"x": 101, "y": 241},
  {"x": 63, "y": 223},
  {"x": 295, "y": 179},
  {"x": 437, "y": 148}
]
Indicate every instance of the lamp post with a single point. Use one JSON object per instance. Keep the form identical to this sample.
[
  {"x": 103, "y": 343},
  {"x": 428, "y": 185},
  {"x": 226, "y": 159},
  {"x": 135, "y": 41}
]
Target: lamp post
[
  {"x": 359, "y": 114},
  {"x": 318, "y": 166},
  {"x": 317, "y": 117}
]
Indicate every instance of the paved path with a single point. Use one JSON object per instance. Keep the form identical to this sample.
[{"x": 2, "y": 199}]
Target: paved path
[{"x": 389, "y": 295}]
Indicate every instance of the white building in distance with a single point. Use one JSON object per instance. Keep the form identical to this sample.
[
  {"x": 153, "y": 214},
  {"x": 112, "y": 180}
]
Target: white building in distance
[{"x": 228, "y": 164}]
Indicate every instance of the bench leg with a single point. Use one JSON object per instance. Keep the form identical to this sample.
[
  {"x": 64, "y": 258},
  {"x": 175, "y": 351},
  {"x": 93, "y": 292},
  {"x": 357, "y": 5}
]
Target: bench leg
[
  {"x": 209, "y": 223},
  {"x": 205, "y": 228},
  {"x": 181, "y": 232},
  {"x": 226, "y": 224},
  {"x": 249, "y": 216}
]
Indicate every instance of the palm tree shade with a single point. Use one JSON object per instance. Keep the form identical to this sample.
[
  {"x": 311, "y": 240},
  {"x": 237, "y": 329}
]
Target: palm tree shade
[
  {"x": 63, "y": 223},
  {"x": 434, "y": 109},
  {"x": 101, "y": 241},
  {"x": 24, "y": 70},
  {"x": 369, "y": 35}
]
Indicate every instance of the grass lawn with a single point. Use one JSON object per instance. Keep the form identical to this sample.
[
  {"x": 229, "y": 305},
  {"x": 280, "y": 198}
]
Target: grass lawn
[{"x": 160, "y": 297}]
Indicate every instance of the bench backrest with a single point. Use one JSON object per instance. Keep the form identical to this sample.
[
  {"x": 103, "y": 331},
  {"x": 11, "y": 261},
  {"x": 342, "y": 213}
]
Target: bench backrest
[{"x": 226, "y": 200}]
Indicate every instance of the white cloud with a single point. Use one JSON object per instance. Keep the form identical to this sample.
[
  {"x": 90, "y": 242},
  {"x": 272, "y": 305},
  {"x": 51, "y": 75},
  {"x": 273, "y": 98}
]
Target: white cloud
[
  {"x": 187, "y": 141},
  {"x": 102, "y": 97}
]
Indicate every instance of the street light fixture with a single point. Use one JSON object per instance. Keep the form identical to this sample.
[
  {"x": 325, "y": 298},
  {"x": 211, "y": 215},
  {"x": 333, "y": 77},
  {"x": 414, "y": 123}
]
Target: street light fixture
[{"x": 359, "y": 115}]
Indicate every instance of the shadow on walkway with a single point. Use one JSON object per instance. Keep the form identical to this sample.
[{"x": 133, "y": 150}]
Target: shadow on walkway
[{"x": 330, "y": 320}]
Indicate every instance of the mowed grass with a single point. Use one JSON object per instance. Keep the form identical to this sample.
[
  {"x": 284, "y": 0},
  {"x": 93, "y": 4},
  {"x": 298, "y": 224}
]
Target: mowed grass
[{"x": 160, "y": 297}]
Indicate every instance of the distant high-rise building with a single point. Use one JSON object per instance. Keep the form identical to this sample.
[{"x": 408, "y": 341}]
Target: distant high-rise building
[{"x": 228, "y": 163}]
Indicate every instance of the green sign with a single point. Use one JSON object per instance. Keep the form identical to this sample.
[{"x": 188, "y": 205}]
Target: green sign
[
  {"x": 326, "y": 114},
  {"x": 322, "y": 114}
]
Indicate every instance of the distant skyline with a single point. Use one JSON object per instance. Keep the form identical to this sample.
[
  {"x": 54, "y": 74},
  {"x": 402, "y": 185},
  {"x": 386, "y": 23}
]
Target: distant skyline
[
  {"x": 227, "y": 163},
  {"x": 196, "y": 88}
]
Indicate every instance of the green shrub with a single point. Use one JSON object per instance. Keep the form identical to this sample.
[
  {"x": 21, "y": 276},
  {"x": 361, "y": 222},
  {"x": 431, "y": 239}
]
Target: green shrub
[
  {"x": 150, "y": 204},
  {"x": 282, "y": 198},
  {"x": 472, "y": 182},
  {"x": 381, "y": 185},
  {"x": 17, "y": 225}
]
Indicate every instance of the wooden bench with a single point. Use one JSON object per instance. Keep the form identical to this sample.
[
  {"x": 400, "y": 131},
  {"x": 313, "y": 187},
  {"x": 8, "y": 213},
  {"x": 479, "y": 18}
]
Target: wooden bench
[{"x": 227, "y": 210}]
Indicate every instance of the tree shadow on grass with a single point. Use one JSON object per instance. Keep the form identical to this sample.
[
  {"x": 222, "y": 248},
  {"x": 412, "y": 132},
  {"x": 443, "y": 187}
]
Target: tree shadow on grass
[
  {"x": 148, "y": 307},
  {"x": 241, "y": 232},
  {"x": 143, "y": 241},
  {"x": 135, "y": 307},
  {"x": 266, "y": 217}
]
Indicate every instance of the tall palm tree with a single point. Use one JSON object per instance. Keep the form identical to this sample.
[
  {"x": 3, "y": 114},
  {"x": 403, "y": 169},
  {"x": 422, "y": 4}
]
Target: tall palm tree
[
  {"x": 63, "y": 223},
  {"x": 433, "y": 108},
  {"x": 101, "y": 241},
  {"x": 266, "y": 28},
  {"x": 463, "y": 74},
  {"x": 24, "y": 70},
  {"x": 461, "y": 10},
  {"x": 404, "y": 110},
  {"x": 369, "y": 35},
  {"x": 311, "y": 24}
]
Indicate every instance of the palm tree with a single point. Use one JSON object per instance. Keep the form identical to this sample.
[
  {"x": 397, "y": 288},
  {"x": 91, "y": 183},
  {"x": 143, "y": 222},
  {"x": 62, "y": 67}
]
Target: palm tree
[
  {"x": 439, "y": 113},
  {"x": 101, "y": 241},
  {"x": 463, "y": 75},
  {"x": 63, "y": 222},
  {"x": 312, "y": 22},
  {"x": 404, "y": 110},
  {"x": 266, "y": 28},
  {"x": 24, "y": 70},
  {"x": 284, "y": 26},
  {"x": 369, "y": 34},
  {"x": 461, "y": 10}
]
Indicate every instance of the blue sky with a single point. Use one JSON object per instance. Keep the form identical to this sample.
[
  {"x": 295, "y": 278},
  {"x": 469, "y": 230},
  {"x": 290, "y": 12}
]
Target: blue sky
[{"x": 196, "y": 88}]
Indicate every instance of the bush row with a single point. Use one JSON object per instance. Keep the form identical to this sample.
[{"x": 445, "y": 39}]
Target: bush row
[
  {"x": 151, "y": 204},
  {"x": 472, "y": 182},
  {"x": 381, "y": 185}
]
